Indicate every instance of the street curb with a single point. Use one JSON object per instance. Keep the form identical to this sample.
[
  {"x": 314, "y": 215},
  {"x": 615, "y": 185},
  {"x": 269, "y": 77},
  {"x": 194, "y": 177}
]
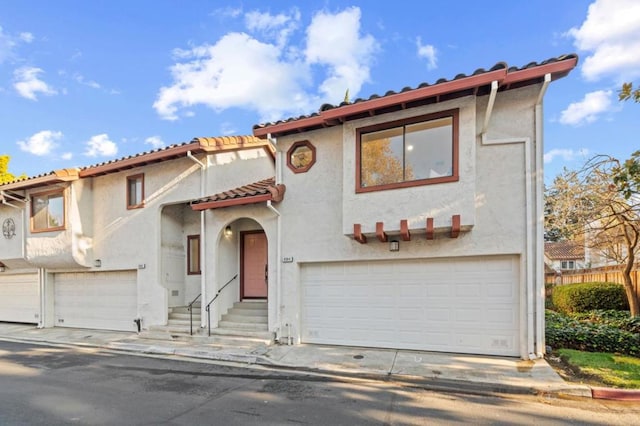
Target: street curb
[
  {"x": 432, "y": 384},
  {"x": 616, "y": 394}
]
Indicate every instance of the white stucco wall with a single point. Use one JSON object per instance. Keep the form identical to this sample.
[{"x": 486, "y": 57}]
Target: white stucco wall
[
  {"x": 416, "y": 204},
  {"x": 321, "y": 206},
  {"x": 12, "y": 249}
]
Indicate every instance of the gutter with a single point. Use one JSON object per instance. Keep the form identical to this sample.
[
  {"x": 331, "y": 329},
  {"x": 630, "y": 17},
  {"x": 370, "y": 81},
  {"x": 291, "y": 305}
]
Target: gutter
[
  {"x": 278, "y": 265},
  {"x": 539, "y": 188},
  {"x": 533, "y": 334}
]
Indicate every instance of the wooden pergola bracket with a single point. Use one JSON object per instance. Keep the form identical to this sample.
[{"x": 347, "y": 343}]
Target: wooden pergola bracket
[
  {"x": 382, "y": 236},
  {"x": 404, "y": 230},
  {"x": 430, "y": 233},
  {"x": 455, "y": 226},
  {"x": 357, "y": 234}
]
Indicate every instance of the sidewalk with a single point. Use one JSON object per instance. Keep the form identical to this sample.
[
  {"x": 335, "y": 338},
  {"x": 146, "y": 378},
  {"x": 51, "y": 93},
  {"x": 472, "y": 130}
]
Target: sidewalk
[{"x": 434, "y": 371}]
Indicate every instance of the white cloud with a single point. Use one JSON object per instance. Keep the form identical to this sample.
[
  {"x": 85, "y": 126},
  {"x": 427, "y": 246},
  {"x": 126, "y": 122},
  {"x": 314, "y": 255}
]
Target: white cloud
[
  {"x": 41, "y": 143},
  {"x": 28, "y": 84},
  {"x": 101, "y": 145},
  {"x": 428, "y": 52},
  {"x": 90, "y": 83},
  {"x": 67, "y": 156},
  {"x": 6, "y": 45},
  {"x": 155, "y": 141},
  {"x": 334, "y": 40},
  {"x": 565, "y": 154},
  {"x": 26, "y": 37},
  {"x": 227, "y": 129},
  {"x": 588, "y": 109},
  {"x": 241, "y": 70},
  {"x": 237, "y": 71},
  {"x": 611, "y": 33},
  {"x": 277, "y": 27},
  {"x": 227, "y": 12}
]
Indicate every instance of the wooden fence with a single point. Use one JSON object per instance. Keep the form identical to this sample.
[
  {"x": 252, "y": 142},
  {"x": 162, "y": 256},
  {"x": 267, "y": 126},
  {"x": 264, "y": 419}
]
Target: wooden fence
[{"x": 610, "y": 274}]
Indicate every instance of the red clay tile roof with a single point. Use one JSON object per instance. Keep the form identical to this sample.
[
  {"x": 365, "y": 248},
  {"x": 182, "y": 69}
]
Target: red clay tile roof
[
  {"x": 478, "y": 83},
  {"x": 257, "y": 192},
  {"x": 197, "y": 145},
  {"x": 562, "y": 250}
]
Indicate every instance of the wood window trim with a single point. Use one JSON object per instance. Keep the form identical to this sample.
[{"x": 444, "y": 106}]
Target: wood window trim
[
  {"x": 453, "y": 113},
  {"x": 130, "y": 205},
  {"x": 295, "y": 146},
  {"x": 62, "y": 192},
  {"x": 190, "y": 239}
]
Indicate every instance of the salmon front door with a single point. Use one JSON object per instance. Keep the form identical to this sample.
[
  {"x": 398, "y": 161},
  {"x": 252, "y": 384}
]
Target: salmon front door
[{"x": 254, "y": 267}]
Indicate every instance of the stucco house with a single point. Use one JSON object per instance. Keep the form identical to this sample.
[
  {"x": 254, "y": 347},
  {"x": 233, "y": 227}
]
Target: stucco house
[
  {"x": 407, "y": 220},
  {"x": 564, "y": 255}
]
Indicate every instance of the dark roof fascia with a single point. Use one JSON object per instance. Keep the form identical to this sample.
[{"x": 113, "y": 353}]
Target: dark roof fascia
[{"x": 506, "y": 78}]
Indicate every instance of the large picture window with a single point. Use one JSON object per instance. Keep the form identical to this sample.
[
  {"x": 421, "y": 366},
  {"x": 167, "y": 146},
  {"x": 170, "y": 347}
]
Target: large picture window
[
  {"x": 47, "y": 211},
  {"x": 135, "y": 191},
  {"x": 418, "y": 151}
]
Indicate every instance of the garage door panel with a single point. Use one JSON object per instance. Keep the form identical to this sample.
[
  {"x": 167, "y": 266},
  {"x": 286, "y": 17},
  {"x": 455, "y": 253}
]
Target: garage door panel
[
  {"x": 19, "y": 298},
  {"x": 465, "y": 305},
  {"x": 100, "y": 300}
]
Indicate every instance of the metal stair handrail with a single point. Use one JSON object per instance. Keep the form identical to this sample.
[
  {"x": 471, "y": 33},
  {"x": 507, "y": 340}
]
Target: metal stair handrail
[
  {"x": 190, "y": 309},
  {"x": 207, "y": 308}
]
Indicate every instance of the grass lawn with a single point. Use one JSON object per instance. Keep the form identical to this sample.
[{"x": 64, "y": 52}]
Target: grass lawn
[{"x": 620, "y": 371}]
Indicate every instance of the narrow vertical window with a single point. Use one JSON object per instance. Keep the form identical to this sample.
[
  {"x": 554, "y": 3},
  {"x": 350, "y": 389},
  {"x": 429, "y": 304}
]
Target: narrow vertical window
[
  {"x": 193, "y": 254},
  {"x": 135, "y": 191}
]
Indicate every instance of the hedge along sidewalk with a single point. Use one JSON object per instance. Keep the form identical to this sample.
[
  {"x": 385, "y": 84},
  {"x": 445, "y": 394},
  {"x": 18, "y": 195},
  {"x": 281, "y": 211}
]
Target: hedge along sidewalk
[
  {"x": 585, "y": 297},
  {"x": 567, "y": 332}
]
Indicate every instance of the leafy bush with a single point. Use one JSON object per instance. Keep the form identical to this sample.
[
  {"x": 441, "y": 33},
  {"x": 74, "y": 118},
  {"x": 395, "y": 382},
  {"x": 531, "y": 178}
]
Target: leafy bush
[
  {"x": 618, "y": 319},
  {"x": 566, "y": 332},
  {"x": 585, "y": 297}
]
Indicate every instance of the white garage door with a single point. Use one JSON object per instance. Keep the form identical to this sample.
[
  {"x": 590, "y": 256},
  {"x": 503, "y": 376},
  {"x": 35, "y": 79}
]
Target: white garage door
[
  {"x": 19, "y": 298},
  {"x": 102, "y": 300},
  {"x": 464, "y": 305}
]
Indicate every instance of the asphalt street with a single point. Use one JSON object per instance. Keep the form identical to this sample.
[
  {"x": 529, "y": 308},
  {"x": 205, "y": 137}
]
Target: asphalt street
[{"x": 58, "y": 385}]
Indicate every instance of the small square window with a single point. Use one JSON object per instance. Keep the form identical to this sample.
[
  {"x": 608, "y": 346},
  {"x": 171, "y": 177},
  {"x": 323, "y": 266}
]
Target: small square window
[
  {"x": 47, "y": 211},
  {"x": 301, "y": 156},
  {"x": 193, "y": 255},
  {"x": 135, "y": 191}
]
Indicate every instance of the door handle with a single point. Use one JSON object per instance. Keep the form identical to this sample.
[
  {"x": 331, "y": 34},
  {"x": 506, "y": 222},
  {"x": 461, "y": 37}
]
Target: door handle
[{"x": 266, "y": 273}]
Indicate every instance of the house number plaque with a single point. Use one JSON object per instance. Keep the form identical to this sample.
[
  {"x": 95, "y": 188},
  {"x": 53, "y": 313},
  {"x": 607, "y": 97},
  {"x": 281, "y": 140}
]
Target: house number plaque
[{"x": 8, "y": 228}]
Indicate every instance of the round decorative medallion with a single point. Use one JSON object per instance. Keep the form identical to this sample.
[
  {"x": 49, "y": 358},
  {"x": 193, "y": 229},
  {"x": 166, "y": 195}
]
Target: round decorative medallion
[{"x": 8, "y": 228}]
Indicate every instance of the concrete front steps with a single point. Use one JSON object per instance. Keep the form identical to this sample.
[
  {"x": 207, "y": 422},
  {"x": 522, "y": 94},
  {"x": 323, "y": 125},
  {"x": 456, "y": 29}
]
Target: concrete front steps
[
  {"x": 245, "y": 320},
  {"x": 178, "y": 325}
]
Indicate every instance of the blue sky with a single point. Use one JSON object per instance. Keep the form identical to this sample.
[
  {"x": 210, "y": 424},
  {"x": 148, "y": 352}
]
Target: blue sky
[{"x": 82, "y": 82}]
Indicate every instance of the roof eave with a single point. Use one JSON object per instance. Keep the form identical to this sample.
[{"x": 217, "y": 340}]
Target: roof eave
[
  {"x": 231, "y": 202},
  {"x": 58, "y": 176}
]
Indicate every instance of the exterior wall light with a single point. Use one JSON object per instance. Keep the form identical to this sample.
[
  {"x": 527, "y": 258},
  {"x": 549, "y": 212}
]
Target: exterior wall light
[
  {"x": 227, "y": 231},
  {"x": 394, "y": 245},
  {"x": 97, "y": 263}
]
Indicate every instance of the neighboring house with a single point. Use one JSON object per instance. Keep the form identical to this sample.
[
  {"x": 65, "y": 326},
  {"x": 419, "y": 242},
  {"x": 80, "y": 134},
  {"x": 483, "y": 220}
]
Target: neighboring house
[
  {"x": 564, "y": 255},
  {"x": 411, "y": 220}
]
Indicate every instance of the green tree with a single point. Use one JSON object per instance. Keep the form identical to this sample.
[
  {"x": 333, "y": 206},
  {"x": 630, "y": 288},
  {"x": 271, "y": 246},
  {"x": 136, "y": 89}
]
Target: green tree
[
  {"x": 600, "y": 205},
  {"x": 628, "y": 92},
  {"x": 5, "y": 176}
]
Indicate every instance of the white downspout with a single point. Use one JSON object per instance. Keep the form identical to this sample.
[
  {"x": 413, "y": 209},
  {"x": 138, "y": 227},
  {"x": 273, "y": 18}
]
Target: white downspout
[
  {"x": 529, "y": 221},
  {"x": 203, "y": 239},
  {"x": 274, "y": 143},
  {"x": 539, "y": 276}
]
